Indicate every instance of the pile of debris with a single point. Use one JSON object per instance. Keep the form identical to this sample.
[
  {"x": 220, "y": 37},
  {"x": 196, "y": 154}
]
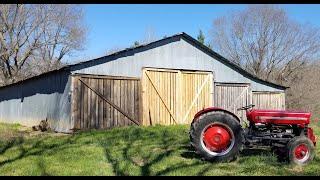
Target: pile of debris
[{"x": 43, "y": 126}]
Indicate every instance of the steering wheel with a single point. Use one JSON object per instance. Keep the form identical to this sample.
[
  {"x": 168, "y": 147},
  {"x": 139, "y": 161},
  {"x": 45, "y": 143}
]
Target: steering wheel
[{"x": 246, "y": 107}]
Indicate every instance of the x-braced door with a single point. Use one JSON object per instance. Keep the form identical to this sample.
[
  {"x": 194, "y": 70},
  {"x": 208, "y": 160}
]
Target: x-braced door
[{"x": 174, "y": 96}]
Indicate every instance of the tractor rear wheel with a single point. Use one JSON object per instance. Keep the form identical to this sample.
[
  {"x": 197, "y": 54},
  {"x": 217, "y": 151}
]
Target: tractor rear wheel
[
  {"x": 216, "y": 136},
  {"x": 300, "y": 150}
]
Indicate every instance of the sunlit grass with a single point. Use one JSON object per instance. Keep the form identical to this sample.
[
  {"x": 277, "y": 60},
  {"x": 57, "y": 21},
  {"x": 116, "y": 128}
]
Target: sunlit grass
[{"x": 158, "y": 150}]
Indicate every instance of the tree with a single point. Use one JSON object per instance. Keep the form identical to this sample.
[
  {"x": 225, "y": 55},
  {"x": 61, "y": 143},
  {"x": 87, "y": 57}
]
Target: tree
[
  {"x": 37, "y": 35},
  {"x": 263, "y": 40},
  {"x": 201, "y": 37},
  {"x": 149, "y": 35},
  {"x": 136, "y": 43},
  {"x": 209, "y": 45},
  {"x": 303, "y": 93}
]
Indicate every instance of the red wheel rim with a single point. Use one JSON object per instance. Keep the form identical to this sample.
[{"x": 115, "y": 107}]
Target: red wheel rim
[
  {"x": 301, "y": 151},
  {"x": 217, "y": 138}
]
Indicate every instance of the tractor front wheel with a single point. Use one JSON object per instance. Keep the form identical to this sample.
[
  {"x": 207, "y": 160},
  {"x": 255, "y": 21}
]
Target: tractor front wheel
[
  {"x": 300, "y": 150},
  {"x": 216, "y": 136}
]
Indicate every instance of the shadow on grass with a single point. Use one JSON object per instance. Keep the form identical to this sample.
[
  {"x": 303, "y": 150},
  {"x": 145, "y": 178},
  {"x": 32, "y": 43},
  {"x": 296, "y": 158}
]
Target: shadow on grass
[
  {"x": 138, "y": 151},
  {"x": 161, "y": 148},
  {"x": 42, "y": 167},
  {"x": 189, "y": 153},
  {"x": 164, "y": 153},
  {"x": 39, "y": 147},
  {"x": 256, "y": 152},
  {"x": 9, "y": 144},
  {"x": 145, "y": 165}
]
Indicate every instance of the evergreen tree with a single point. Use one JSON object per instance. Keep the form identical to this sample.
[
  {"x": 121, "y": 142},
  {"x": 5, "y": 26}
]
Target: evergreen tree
[
  {"x": 136, "y": 43},
  {"x": 201, "y": 37},
  {"x": 209, "y": 46}
]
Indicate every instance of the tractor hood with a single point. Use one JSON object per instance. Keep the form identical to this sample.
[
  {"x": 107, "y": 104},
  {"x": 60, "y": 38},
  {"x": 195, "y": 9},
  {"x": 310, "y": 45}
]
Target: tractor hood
[{"x": 280, "y": 117}]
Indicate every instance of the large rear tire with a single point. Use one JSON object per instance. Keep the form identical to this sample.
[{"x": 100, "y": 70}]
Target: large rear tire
[{"x": 216, "y": 136}]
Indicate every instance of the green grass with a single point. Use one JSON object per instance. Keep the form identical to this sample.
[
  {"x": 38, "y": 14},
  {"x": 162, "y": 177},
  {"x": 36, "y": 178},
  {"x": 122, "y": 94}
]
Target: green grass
[{"x": 155, "y": 150}]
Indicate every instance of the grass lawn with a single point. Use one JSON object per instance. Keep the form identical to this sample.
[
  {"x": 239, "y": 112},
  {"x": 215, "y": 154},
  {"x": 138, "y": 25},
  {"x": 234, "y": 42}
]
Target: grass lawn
[{"x": 157, "y": 150}]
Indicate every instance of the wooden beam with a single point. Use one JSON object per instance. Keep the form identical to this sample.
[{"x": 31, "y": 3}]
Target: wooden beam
[{"x": 93, "y": 76}]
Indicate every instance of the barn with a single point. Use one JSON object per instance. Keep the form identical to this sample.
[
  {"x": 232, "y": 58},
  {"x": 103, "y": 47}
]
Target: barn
[{"x": 163, "y": 82}]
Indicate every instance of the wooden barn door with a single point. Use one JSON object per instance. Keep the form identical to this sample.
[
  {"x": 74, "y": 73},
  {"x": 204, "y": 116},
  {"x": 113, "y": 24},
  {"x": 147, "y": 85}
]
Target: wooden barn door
[
  {"x": 160, "y": 97},
  {"x": 174, "y": 96},
  {"x": 269, "y": 100},
  {"x": 231, "y": 96},
  {"x": 100, "y": 102},
  {"x": 196, "y": 94}
]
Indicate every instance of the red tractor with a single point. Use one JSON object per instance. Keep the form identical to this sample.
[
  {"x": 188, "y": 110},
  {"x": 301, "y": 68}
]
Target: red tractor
[{"x": 216, "y": 134}]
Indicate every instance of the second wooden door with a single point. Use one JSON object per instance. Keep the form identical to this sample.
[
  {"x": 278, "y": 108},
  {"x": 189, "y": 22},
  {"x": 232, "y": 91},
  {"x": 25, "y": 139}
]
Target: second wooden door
[{"x": 174, "y": 96}]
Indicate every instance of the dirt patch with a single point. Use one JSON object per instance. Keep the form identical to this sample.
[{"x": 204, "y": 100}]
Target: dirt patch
[{"x": 28, "y": 132}]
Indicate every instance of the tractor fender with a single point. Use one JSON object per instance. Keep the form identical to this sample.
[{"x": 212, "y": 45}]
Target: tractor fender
[{"x": 210, "y": 109}]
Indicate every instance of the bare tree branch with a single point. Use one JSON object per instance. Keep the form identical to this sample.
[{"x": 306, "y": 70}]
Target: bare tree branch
[
  {"x": 264, "y": 41},
  {"x": 40, "y": 34}
]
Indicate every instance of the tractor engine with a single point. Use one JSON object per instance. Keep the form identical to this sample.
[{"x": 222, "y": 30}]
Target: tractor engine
[
  {"x": 276, "y": 128},
  {"x": 269, "y": 135}
]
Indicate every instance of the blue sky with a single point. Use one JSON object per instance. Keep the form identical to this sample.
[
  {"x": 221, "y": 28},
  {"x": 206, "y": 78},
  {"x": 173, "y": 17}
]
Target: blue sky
[{"x": 112, "y": 25}]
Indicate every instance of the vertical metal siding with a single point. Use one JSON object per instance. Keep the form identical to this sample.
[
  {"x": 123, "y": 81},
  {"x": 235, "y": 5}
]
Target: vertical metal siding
[
  {"x": 176, "y": 54},
  {"x": 34, "y": 100}
]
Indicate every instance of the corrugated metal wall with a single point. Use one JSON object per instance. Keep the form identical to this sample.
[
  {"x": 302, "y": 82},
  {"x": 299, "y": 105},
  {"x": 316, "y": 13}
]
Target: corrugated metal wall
[
  {"x": 173, "y": 54},
  {"x": 37, "y": 99}
]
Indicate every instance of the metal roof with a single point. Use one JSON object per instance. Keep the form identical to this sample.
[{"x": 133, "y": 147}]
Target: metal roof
[{"x": 181, "y": 35}]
